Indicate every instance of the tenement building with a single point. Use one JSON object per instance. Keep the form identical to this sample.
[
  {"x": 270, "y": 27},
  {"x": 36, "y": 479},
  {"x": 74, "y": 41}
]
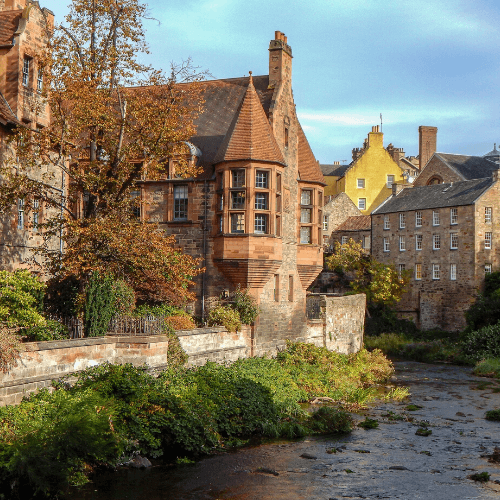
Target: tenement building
[
  {"x": 447, "y": 235},
  {"x": 254, "y": 214}
]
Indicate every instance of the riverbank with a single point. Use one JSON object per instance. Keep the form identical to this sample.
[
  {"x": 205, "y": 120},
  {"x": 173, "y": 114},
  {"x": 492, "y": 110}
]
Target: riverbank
[{"x": 390, "y": 461}]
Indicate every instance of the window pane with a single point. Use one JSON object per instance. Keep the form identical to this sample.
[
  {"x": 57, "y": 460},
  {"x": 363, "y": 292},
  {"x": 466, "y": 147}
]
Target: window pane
[
  {"x": 454, "y": 216},
  {"x": 238, "y": 178},
  {"x": 305, "y": 215},
  {"x": 260, "y": 225},
  {"x": 487, "y": 240},
  {"x": 26, "y": 71},
  {"x": 454, "y": 241},
  {"x": 361, "y": 183},
  {"x": 387, "y": 224},
  {"x": 237, "y": 199},
  {"x": 436, "y": 242},
  {"x": 418, "y": 219},
  {"x": 261, "y": 201},
  {"x": 325, "y": 222},
  {"x": 237, "y": 223},
  {"x": 362, "y": 203},
  {"x": 418, "y": 271},
  {"x": 418, "y": 242},
  {"x": 305, "y": 234},
  {"x": 262, "y": 179},
  {"x": 487, "y": 214},
  {"x": 305, "y": 197},
  {"x": 180, "y": 202},
  {"x": 453, "y": 272}
]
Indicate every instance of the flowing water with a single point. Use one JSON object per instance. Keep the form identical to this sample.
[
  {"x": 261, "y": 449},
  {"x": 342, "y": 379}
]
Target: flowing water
[{"x": 390, "y": 461}]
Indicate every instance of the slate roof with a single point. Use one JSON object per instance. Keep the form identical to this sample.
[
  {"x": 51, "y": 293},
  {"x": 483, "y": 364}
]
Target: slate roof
[
  {"x": 7, "y": 117},
  {"x": 355, "y": 223},
  {"x": 309, "y": 169},
  {"x": 468, "y": 167},
  {"x": 250, "y": 136},
  {"x": 336, "y": 170},
  {"x": 9, "y": 22},
  {"x": 435, "y": 196}
]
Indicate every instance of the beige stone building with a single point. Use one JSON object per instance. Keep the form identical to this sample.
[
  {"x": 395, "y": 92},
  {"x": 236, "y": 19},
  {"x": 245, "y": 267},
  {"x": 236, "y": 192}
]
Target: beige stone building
[
  {"x": 447, "y": 235},
  {"x": 337, "y": 210},
  {"x": 357, "y": 228}
]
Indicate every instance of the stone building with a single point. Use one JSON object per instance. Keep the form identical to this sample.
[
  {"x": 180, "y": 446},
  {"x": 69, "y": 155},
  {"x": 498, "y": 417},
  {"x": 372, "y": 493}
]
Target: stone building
[
  {"x": 335, "y": 211},
  {"x": 254, "y": 214},
  {"x": 447, "y": 234},
  {"x": 23, "y": 31},
  {"x": 357, "y": 228}
]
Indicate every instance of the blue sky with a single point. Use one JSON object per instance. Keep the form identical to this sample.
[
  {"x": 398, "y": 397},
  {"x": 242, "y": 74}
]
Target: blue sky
[{"x": 418, "y": 62}]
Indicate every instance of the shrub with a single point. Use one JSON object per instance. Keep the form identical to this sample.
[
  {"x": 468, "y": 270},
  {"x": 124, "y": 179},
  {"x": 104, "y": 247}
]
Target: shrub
[
  {"x": 21, "y": 299},
  {"x": 246, "y": 306},
  {"x": 51, "y": 330},
  {"x": 159, "y": 310},
  {"x": 482, "y": 343},
  {"x": 181, "y": 322},
  {"x": 10, "y": 348},
  {"x": 62, "y": 296},
  {"x": 489, "y": 367},
  {"x": 225, "y": 316},
  {"x": 485, "y": 311},
  {"x": 493, "y": 415}
]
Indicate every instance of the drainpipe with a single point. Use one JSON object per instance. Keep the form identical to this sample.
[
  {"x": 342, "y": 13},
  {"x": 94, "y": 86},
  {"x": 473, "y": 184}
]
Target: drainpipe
[{"x": 205, "y": 190}]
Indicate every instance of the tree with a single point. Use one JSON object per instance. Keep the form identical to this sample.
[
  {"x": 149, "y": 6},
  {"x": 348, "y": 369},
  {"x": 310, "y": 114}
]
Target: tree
[
  {"x": 113, "y": 122},
  {"x": 383, "y": 285}
]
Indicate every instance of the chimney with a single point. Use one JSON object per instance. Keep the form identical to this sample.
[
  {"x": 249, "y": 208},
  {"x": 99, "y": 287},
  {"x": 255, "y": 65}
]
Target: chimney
[
  {"x": 494, "y": 175},
  {"x": 280, "y": 60},
  {"x": 376, "y": 138},
  {"x": 427, "y": 140},
  {"x": 397, "y": 188}
]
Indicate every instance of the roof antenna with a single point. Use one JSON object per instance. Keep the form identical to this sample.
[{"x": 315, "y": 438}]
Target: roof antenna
[{"x": 380, "y": 122}]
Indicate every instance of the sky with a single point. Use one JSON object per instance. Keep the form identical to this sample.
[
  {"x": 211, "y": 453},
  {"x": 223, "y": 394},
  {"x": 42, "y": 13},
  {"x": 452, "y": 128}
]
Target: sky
[{"x": 418, "y": 62}]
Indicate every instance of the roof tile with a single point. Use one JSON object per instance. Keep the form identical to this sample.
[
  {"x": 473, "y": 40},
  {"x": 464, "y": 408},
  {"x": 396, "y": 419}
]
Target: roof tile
[
  {"x": 356, "y": 223},
  {"x": 309, "y": 169}
]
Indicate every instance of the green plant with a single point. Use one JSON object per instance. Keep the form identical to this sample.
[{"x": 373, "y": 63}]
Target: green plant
[
  {"x": 423, "y": 431},
  {"x": 61, "y": 298},
  {"x": 489, "y": 367},
  {"x": 331, "y": 420},
  {"x": 413, "y": 407},
  {"x": 21, "y": 299},
  {"x": 225, "y": 316},
  {"x": 483, "y": 343},
  {"x": 246, "y": 306},
  {"x": 368, "y": 423},
  {"x": 10, "y": 348},
  {"x": 51, "y": 330},
  {"x": 482, "y": 477},
  {"x": 493, "y": 415}
]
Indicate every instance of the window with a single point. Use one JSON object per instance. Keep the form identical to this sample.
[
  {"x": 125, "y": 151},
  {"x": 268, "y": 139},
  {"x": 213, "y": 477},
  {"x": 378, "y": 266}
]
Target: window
[
  {"x": 261, "y": 201},
  {"x": 260, "y": 224},
  {"x": 290, "y": 288},
  {"x": 454, "y": 241},
  {"x": 387, "y": 222},
  {"x": 487, "y": 268},
  {"x": 418, "y": 271},
  {"x": 276, "y": 287},
  {"x": 487, "y": 214},
  {"x": 418, "y": 219},
  {"x": 344, "y": 240},
  {"x": 325, "y": 222},
  {"x": 306, "y": 197},
  {"x": 237, "y": 223},
  {"x": 286, "y": 137},
  {"x": 436, "y": 242},
  {"x": 386, "y": 245},
  {"x": 453, "y": 272},
  {"x": 366, "y": 242},
  {"x": 39, "y": 81},
  {"x": 221, "y": 202},
  {"x": 418, "y": 241},
  {"x": 305, "y": 234},
  {"x": 401, "y": 268},
  {"x": 180, "y": 202},
  {"x": 238, "y": 178},
  {"x": 435, "y": 272},
  {"x": 26, "y": 71},
  {"x": 402, "y": 221},
  {"x": 278, "y": 225},
  {"x": 36, "y": 212},
  {"x": 20, "y": 213},
  {"x": 262, "y": 179},
  {"x": 136, "y": 207},
  {"x": 221, "y": 224},
  {"x": 237, "y": 200},
  {"x": 221, "y": 180},
  {"x": 453, "y": 215},
  {"x": 361, "y": 183},
  {"x": 435, "y": 218},
  {"x": 402, "y": 244},
  {"x": 390, "y": 181},
  {"x": 305, "y": 215},
  {"x": 362, "y": 203},
  {"x": 487, "y": 241}
]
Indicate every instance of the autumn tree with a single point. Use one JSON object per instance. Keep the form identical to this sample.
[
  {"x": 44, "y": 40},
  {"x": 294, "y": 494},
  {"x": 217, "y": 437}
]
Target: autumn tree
[
  {"x": 113, "y": 121},
  {"x": 383, "y": 285}
]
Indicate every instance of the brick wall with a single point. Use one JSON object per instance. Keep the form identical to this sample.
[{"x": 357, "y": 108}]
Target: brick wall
[{"x": 436, "y": 169}]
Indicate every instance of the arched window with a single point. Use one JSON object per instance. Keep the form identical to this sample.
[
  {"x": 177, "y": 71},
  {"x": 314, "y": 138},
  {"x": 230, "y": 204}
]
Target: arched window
[{"x": 435, "y": 179}]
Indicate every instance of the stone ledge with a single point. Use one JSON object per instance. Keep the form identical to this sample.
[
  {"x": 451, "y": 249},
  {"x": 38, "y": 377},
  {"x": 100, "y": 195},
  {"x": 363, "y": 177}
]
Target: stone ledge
[{"x": 213, "y": 351}]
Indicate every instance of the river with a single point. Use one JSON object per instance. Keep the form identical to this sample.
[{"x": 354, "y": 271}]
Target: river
[{"x": 390, "y": 461}]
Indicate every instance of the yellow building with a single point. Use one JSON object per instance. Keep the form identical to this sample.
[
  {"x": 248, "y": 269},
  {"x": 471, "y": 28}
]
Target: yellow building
[{"x": 368, "y": 179}]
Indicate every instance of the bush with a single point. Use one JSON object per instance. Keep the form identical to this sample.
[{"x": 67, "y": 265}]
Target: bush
[
  {"x": 159, "y": 311},
  {"x": 10, "y": 348},
  {"x": 246, "y": 306},
  {"x": 62, "y": 296},
  {"x": 225, "y": 316},
  {"x": 181, "y": 322},
  {"x": 51, "y": 330},
  {"x": 489, "y": 367},
  {"x": 481, "y": 344},
  {"x": 21, "y": 299}
]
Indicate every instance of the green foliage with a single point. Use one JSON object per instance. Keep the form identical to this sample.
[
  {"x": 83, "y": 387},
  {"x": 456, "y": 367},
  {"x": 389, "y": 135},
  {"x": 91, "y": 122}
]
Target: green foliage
[
  {"x": 105, "y": 296},
  {"x": 383, "y": 319},
  {"x": 481, "y": 344},
  {"x": 484, "y": 312},
  {"x": 493, "y": 415},
  {"x": 481, "y": 477},
  {"x": 489, "y": 367},
  {"x": 225, "y": 316},
  {"x": 368, "y": 423},
  {"x": 62, "y": 296},
  {"x": 10, "y": 348},
  {"x": 51, "y": 330},
  {"x": 331, "y": 420},
  {"x": 423, "y": 431},
  {"x": 21, "y": 299},
  {"x": 246, "y": 306},
  {"x": 159, "y": 310},
  {"x": 491, "y": 283}
]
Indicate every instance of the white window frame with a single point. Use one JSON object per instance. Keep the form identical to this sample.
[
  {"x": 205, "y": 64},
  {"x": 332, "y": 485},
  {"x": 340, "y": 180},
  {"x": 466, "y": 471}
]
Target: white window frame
[
  {"x": 488, "y": 240},
  {"x": 260, "y": 224},
  {"x": 344, "y": 240},
  {"x": 402, "y": 221},
  {"x": 488, "y": 215},
  {"x": 387, "y": 247},
  {"x": 401, "y": 268},
  {"x": 418, "y": 272},
  {"x": 325, "y": 222},
  {"x": 436, "y": 272},
  {"x": 435, "y": 218},
  {"x": 387, "y": 222},
  {"x": 39, "y": 80},
  {"x": 487, "y": 269},
  {"x": 453, "y": 216},
  {"x": 305, "y": 235},
  {"x": 262, "y": 179},
  {"x": 26, "y": 71},
  {"x": 36, "y": 215},
  {"x": 402, "y": 244},
  {"x": 418, "y": 219},
  {"x": 20, "y": 213},
  {"x": 453, "y": 241},
  {"x": 453, "y": 272},
  {"x": 436, "y": 242},
  {"x": 362, "y": 203},
  {"x": 391, "y": 179},
  {"x": 361, "y": 183},
  {"x": 418, "y": 242}
]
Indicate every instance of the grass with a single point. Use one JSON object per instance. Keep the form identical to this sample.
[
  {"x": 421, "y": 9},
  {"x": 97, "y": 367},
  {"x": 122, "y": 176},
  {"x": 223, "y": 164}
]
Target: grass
[
  {"x": 368, "y": 423},
  {"x": 482, "y": 477},
  {"x": 493, "y": 415},
  {"x": 489, "y": 367}
]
